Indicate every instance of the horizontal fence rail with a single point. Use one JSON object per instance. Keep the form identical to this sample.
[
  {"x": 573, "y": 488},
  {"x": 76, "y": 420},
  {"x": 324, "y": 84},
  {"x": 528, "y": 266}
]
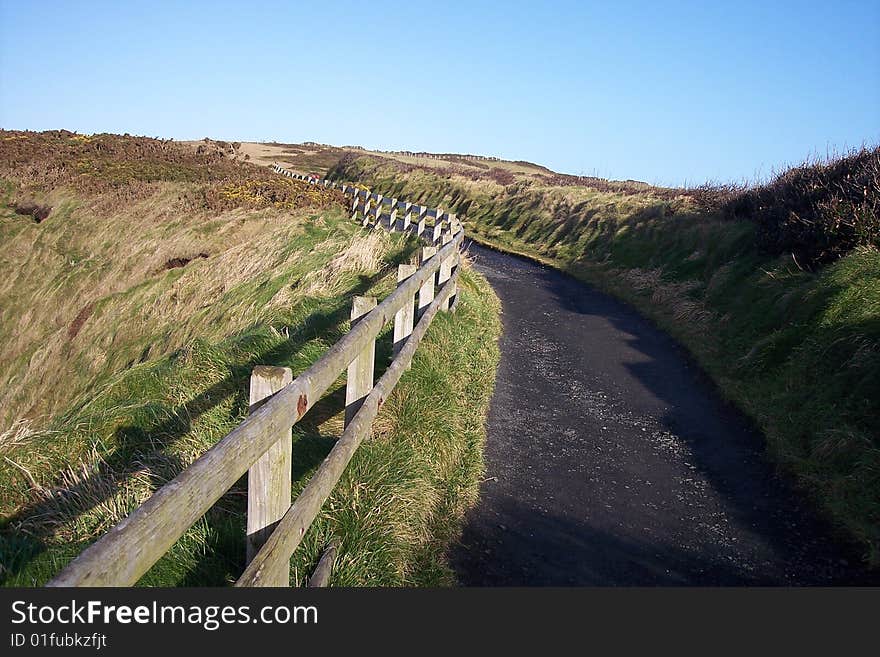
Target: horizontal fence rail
[
  {"x": 292, "y": 527},
  {"x": 261, "y": 445}
]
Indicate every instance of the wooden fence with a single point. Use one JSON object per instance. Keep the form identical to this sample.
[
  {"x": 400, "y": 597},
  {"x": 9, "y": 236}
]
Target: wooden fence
[
  {"x": 378, "y": 211},
  {"x": 261, "y": 445}
]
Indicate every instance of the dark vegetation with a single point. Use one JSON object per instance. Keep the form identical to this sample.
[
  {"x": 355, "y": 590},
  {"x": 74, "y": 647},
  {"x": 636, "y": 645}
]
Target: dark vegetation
[
  {"x": 38, "y": 212},
  {"x": 174, "y": 263},
  {"x": 817, "y": 211},
  {"x": 131, "y": 168}
]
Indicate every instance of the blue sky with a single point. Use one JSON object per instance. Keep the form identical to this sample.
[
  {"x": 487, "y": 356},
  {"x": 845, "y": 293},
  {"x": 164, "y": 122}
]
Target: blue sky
[{"x": 667, "y": 92}]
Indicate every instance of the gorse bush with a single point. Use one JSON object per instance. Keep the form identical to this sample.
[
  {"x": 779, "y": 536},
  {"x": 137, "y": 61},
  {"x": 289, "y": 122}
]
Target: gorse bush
[
  {"x": 816, "y": 211},
  {"x": 131, "y": 168}
]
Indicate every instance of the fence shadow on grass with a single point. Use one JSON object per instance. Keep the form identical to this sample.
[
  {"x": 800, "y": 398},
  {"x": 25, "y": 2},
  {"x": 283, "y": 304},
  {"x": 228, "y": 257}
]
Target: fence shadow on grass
[{"x": 27, "y": 535}]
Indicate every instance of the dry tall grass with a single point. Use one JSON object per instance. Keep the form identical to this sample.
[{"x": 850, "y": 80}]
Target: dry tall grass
[
  {"x": 76, "y": 302},
  {"x": 362, "y": 255},
  {"x": 139, "y": 240}
]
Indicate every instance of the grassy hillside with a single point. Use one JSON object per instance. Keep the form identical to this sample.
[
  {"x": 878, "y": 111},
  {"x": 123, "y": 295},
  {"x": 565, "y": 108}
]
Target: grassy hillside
[
  {"x": 775, "y": 290},
  {"x": 141, "y": 282}
]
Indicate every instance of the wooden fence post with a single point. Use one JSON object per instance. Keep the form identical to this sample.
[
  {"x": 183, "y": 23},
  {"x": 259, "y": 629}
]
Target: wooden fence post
[
  {"x": 426, "y": 292},
  {"x": 359, "y": 380},
  {"x": 445, "y": 271},
  {"x": 403, "y": 319},
  {"x": 452, "y": 300},
  {"x": 269, "y": 478}
]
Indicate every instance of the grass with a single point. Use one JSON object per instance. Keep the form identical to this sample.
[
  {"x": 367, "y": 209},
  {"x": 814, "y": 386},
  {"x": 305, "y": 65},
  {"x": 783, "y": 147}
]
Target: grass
[
  {"x": 792, "y": 341},
  {"x": 154, "y": 361}
]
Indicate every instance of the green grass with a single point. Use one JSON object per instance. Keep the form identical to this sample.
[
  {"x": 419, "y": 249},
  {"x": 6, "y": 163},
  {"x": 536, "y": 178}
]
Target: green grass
[
  {"x": 796, "y": 350},
  {"x": 396, "y": 508}
]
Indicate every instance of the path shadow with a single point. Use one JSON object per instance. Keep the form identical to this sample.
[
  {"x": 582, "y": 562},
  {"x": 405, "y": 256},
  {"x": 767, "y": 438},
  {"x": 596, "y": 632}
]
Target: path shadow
[
  {"x": 576, "y": 553},
  {"x": 724, "y": 446}
]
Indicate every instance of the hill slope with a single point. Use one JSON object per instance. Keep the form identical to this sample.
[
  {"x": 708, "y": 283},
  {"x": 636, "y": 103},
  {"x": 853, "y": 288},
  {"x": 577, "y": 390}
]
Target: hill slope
[{"x": 142, "y": 280}]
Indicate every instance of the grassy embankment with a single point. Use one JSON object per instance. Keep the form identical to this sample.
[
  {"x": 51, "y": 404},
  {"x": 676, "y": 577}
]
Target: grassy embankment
[
  {"x": 141, "y": 282},
  {"x": 775, "y": 290}
]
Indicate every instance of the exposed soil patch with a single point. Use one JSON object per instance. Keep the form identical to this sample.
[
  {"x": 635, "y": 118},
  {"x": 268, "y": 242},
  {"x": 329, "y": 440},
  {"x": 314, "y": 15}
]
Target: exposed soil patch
[
  {"x": 80, "y": 319},
  {"x": 37, "y": 212},
  {"x": 174, "y": 263}
]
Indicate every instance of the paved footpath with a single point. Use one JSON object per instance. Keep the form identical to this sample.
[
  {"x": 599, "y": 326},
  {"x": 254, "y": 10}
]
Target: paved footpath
[{"x": 612, "y": 460}]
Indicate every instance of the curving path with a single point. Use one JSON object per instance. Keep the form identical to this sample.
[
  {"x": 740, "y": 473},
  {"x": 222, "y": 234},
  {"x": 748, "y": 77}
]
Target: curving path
[{"x": 611, "y": 460}]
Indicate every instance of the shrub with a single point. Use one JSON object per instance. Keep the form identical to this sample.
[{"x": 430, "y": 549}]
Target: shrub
[
  {"x": 817, "y": 211},
  {"x": 130, "y": 167}
]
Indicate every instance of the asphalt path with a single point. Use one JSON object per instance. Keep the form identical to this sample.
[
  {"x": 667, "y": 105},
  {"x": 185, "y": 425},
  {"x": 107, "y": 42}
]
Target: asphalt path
[{"x": 612, "y": 459}]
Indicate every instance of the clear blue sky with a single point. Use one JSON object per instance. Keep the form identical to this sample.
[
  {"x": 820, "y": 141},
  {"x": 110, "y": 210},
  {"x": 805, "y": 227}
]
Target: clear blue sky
[{"x": 668, "y": 92}]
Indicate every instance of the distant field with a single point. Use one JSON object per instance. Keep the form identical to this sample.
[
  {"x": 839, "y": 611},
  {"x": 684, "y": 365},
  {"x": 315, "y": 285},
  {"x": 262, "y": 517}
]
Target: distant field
[{"x": 319, "y": 158}]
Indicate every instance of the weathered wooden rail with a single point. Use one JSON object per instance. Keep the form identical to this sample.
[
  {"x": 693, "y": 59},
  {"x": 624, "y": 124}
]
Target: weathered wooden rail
[{"x": 261, "y": 444}]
